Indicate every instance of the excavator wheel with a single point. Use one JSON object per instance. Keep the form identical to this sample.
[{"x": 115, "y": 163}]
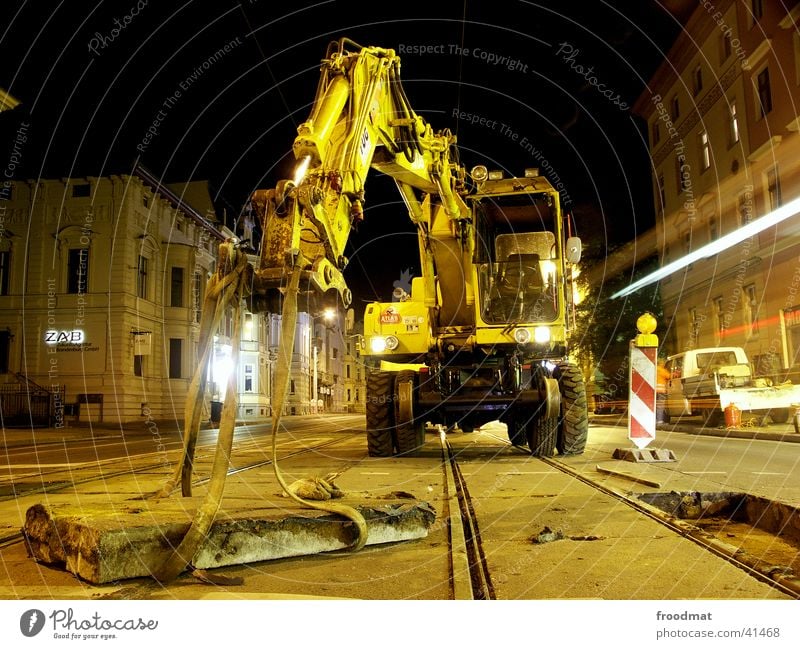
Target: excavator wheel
[
  {"x": 410, "y": 430},
  {"x": 573, "y": 425},
  {"x": 779, "y": 415},
  {"x": 516, "y": 431},
  {"x": 541, "y": 434},
  {"x": 380, "y": 414}
]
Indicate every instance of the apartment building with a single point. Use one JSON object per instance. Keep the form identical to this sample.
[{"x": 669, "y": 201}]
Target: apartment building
[
  {"x": 101, "y": 282},
  {"x": 722, "y": 118}
]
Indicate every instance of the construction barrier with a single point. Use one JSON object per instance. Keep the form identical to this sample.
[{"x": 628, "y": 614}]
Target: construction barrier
[{"x": 643, "y": 377}]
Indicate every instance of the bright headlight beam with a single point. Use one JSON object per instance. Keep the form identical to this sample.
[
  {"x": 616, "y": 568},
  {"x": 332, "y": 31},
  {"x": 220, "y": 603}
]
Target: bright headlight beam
[{"x": 715, "y": 247}]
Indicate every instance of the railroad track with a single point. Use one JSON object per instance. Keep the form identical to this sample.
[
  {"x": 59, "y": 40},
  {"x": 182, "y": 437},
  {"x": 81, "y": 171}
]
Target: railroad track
[{"x": 470, "y": 572}]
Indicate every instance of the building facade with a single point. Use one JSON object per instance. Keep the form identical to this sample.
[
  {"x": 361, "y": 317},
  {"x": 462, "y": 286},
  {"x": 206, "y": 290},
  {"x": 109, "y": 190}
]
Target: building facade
[
  {"x": 723, "y": 136},
  {"x": 101, "y": 286}
]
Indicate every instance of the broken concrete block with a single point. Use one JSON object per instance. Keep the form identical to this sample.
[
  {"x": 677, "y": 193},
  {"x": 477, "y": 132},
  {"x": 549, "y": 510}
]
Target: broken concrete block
[{"x": 102, "y": 546}]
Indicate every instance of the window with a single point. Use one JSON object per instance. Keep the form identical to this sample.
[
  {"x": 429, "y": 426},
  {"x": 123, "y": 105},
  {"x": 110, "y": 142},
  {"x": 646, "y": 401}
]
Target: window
[
  {"x": 661, "y": 191},
  {"x": 705, "y": 151},
  {"x": 347, "y": 371},
  {"x": 175, "y": 357},
  {"x": 725, "y": 48},
  {"x": 138, "y": 365},
  {"x": 197, "y": 295},
  {"x": 248, "y": 378},
  {"x": 675, "y": 108},
  {"x": 764, "y": 99},
  {"x": 656, "y": 133},
  {"x": 750, "y": 308},
  {"x": 687, "y": 245},
  {"x": 335, "y": 352},
  {"x": 141, "y": 277},
  {"x": 348, "y": 395},
  {"x": 719, "y": 320},
  {"x": 713, "y": 228},
  {"x": 796, "y": 47},
  {"x": 757, "y": 9},
  {"x": 773, "y": 189},
  {"x": 176, "y": 287},
  {"x": 697, "y": 80},
  {"x": 77, "y": 270},
  {"x": 683, "y": 179},
  {"x": 744, "y": 208},
  {"x": 5, "y": 269},
  {"x": 5, "y": 350},
  {"x": 145, "y": 200},
  {"x": 81, "y": 191},
  {"x": 291, "y": 386},
  {"x": 733, "y": 116},
  {"x": 694, "y": 325}
]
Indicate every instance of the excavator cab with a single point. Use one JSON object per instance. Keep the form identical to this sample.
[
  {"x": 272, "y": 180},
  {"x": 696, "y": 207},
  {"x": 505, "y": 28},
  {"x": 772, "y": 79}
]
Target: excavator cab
[{"x": 522, "y": 285}]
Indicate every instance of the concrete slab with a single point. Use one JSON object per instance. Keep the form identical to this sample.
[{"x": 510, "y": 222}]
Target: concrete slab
[{"x": 133, "y": 540}]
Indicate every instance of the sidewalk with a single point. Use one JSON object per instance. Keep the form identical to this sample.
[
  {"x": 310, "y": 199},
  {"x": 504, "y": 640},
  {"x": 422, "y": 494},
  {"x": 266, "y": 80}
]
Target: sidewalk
[
  {"x": 771, "y": 432},
  {"x": 11, "y": 437}
]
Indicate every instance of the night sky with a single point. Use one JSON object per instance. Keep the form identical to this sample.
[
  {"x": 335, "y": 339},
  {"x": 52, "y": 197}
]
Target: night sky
[{"x": 521, "y": 83}]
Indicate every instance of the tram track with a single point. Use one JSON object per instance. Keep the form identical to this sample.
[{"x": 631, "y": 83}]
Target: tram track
[
  {"x": 754, "y": 567},
  {"x": 470, "y": 577}
]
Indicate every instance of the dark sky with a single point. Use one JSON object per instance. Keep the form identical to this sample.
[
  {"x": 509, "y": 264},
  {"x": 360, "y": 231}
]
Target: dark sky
[{"x": 94, "y": 77}]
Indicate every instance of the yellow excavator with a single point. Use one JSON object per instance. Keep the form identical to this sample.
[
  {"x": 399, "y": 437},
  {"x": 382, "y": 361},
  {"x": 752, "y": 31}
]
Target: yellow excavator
[{"x": 485, "y": 323}]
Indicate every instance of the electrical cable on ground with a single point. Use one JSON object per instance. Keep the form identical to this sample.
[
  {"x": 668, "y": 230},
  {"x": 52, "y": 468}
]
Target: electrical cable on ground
[{"x": 226, "y": 287}]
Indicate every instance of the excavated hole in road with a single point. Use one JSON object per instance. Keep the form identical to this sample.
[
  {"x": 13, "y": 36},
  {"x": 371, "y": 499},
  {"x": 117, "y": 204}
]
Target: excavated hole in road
[{"x": 765, "y": 531}]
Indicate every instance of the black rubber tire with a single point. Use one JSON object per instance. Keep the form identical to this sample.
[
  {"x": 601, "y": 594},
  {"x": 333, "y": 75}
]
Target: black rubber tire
[
  {"x": 779, "y": 415},
  {"x": 516, "y": 431},
  {"x": 410, "y": 436},
  {"x": 573, "y": 424},
  {"x": 465, "y": 427},
  {"x": 712, "y": 418},
  {"x": 380, "y": 414},
  {"x": 541, "y": 433}
]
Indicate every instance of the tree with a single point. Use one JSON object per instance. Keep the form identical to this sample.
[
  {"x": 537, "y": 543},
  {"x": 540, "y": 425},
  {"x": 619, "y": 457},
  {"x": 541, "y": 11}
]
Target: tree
[{"x": 604, "y": 326}]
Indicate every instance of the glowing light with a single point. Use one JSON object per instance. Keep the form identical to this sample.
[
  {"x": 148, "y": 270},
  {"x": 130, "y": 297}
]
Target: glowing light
[
  {"x": 377, "y": 344},
  {"x": 715, "y": 247},
  {"x": 300, "y": 173},
  {"x": 329, "y": 314},
  {"x": 541, "y": 335}
]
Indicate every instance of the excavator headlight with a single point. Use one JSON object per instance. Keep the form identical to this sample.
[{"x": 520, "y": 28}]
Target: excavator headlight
[
  {"x": 392, "y": 343},
  {"x": 496, "y": 175},
  {"x": 541, "y": 335},
  {"x": 479, "y": 173},
  {"x": 377, "y": 344},
  {"x": 532, "y": 172},
  {"x": 522, "y": 336}
]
